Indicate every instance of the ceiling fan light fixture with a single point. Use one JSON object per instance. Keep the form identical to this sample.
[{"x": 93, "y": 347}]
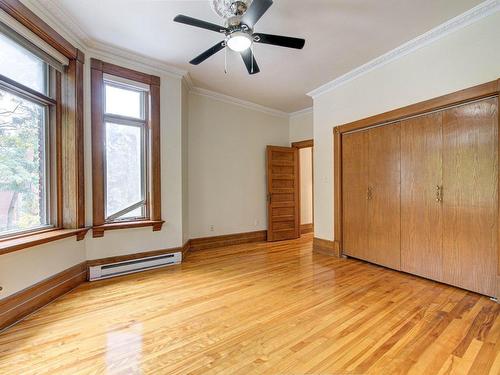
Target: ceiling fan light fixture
[{"x": 239, "y": 41}]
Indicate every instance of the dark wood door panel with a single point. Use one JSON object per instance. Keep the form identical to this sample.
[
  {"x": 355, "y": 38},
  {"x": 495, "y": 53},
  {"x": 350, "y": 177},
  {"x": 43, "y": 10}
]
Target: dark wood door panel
[{"x": 283, "y": 190}]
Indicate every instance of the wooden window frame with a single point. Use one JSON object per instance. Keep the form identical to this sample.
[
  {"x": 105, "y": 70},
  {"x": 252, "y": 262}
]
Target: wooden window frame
[
  {"x": 98, "y": 69},
  {"x": 69, "y": 142}
]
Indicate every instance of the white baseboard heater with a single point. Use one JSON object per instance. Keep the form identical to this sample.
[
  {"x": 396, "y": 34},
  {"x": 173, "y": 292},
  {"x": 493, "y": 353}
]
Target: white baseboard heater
[{"x": 105, "y": 271}]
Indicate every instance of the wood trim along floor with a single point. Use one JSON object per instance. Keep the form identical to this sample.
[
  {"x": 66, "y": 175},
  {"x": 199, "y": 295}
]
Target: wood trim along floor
[
  {"x": 19, "y": 305},
  {"x": 227, "y": 240},
  {"x": 306, "y": 228},
  {"x": 326, "y": 247}
]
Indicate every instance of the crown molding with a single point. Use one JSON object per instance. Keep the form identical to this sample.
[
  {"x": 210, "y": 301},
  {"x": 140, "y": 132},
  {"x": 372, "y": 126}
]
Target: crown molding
[
  {"x": 302, "y": 112},
  {"x": 473, "y": 15},
  {"x": 239, "y": 102},
  {"x": 128, "y": 57},
  {"x": 188, "y": 81},
  {"x": 53, "y": 15}
]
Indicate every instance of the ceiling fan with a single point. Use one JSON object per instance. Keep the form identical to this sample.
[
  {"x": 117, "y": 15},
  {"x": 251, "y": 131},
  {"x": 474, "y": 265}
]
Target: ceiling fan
[{"x": 238, "y": 32}]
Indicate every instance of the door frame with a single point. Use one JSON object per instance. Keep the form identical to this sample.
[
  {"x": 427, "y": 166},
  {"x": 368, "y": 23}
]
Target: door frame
[
  {"x": 486, "y": 90},
  {"x": 298, "y": 145}
]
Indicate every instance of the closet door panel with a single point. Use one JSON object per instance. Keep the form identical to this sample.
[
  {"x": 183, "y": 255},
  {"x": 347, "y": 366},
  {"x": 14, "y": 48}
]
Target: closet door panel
[
  {"x": 384, "y": 180},
  {"x": 354, "y": 190},
  {"x": 470, "y": 196},
  {"x": 421, "y": 175}
]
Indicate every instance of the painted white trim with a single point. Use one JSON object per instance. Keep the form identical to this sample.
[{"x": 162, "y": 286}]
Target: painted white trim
[
  {"x": 103, "y": 49},
  {"x": 240, "y": 102},
  {"x": 302, "y": 112},
  {"x": 473, "y": 15},
  {"x": 188, "y": 81},
  {"x": 53, "y": 14}
]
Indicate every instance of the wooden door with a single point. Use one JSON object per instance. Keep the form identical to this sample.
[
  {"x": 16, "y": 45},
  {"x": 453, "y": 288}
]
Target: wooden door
[
  {"x": 355, "y": 194},
  {"x": 421, "y": 208},
  {"x": 384, "y": 180},
  {"x": 470, "y": 196},
  {"x": 283, "y": 193}
]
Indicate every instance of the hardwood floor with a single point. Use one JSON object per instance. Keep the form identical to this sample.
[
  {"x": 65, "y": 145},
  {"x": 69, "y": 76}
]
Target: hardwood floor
[{"x": 261, "y": 308}]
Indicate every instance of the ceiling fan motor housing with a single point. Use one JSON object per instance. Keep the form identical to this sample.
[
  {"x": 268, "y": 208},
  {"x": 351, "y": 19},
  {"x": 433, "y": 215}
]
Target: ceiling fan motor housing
[{"x": 230, "y": 8}]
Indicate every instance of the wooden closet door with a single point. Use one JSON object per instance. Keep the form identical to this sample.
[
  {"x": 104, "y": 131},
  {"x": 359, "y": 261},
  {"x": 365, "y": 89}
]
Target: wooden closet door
[
  {"x": 470, "y": 196},
  {"x": 421, "y": 209},
  {"x": 384, "y": 180},
  {"x": 354, "y": 192}
]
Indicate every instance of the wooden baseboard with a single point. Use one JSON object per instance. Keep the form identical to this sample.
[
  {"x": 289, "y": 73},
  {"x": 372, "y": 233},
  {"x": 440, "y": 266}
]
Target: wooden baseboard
[
  {"x": 326, "y": 247},
  {"x": 24, "y": 302},
  {"x": 19, "y": 305},
  {"x": 227, "y": 240},
  {"x": 306, "y": 228}
]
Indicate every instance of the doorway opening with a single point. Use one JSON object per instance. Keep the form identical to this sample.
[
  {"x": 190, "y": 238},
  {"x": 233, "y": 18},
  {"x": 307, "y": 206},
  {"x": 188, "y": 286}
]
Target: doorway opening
[{"x": 306, "y": 185}]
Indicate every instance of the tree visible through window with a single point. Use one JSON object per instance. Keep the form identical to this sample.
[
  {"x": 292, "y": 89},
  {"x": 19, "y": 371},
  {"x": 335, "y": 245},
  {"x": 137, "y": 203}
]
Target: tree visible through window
[
  {"x": 125, "y": 152},
  {"x": 23, "y": 141},
  {"x": 126, "y": 171}
]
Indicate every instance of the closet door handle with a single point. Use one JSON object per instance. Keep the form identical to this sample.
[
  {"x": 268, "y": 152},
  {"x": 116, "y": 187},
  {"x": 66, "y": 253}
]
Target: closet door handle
[
  {"x": 369, "y": 193},
  {"x": 439, "y": 193}
]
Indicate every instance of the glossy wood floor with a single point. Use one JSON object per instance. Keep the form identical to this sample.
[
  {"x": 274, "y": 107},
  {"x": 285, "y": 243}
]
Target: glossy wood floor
[{"x": 259, "y": 309}]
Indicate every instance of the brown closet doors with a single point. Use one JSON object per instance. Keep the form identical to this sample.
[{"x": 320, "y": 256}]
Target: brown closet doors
[
  {"x": 384, "y": 180},
  {"x": 355, "y": 194},
  {"x": 421, "y": 206},
  {"x": 371, "y": 195},
  {"x": 470, "y": 196}
]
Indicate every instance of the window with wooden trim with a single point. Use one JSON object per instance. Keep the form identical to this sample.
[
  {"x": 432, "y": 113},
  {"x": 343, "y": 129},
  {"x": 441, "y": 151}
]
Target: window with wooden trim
[
  {"x": 29, "y": 87},
  {"x": 125, "y": 148},
  {"x": 41, "y": 132}
]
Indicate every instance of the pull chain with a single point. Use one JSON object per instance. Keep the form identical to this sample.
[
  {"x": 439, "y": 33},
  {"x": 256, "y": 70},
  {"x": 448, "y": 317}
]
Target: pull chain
[{"x": 225, "y": 60}]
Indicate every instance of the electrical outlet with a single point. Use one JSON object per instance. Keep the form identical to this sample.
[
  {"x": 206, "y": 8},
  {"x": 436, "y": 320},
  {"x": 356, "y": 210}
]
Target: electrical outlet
[{"x": 211, "y": 228}]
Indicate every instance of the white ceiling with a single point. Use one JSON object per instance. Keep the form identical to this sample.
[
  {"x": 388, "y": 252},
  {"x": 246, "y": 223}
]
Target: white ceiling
[{"x": 340, "y": 36}]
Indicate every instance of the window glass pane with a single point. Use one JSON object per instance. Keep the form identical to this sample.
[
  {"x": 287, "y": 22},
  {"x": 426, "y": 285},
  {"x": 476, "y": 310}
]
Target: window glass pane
[
  {"x": 124, "y": 168},
  {"x": 124, "y": 102},
  {"x": 23, "y": 198},
  {"x": 20, "y": 65}
]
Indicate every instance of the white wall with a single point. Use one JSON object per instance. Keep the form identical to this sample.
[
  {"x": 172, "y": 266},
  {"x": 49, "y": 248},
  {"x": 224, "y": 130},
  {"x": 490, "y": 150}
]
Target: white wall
[
  {"x": 227, "y": 165},
  {"x": 21, "y": 269},
  {"x": 185, "y": 157},
  {"x": 306, "y": 186},
  {"x": 301, "y": 126},
  {"x": 467, "y": 57}
]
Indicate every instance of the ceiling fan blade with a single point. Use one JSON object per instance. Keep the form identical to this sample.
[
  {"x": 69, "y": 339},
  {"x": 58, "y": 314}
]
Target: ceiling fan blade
[
  {"x": 248, "y": 57},
  {"x": 199, "y": 23},
  {"x": 209, "y": 52},
  {"x": 255, "y": 12},
  {"x": 278, "y": 40}
]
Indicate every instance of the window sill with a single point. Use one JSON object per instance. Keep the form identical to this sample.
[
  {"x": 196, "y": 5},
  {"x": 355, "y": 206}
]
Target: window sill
[
  {"x": 98, "y": 231},
  {"x": 23, "y": 242}
]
